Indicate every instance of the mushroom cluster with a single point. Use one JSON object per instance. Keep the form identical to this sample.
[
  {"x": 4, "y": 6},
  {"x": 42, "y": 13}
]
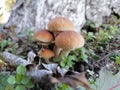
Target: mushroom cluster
[{"x": 61, "y": 33}]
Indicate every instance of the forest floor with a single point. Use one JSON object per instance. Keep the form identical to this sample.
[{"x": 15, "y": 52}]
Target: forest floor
[{"x": 101, "y": 49}]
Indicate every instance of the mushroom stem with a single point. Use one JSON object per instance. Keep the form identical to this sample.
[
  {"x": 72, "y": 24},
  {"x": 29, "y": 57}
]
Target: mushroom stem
[
  {"x": 56, "y": 50},
  {"x": 64, "y": 52}
]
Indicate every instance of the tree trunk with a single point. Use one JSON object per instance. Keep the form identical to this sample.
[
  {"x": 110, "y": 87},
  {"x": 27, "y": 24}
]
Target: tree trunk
[{"x": 35, "y": 14}]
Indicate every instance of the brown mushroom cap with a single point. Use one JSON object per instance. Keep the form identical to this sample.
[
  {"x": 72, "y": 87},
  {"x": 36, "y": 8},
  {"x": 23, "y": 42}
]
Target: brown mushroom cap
[
  {"x": 69, "y": 40},
  {"x": 43, "y": 36},
  {"x": 46, "y": 53},
  {"x": 59, "y": 24}
]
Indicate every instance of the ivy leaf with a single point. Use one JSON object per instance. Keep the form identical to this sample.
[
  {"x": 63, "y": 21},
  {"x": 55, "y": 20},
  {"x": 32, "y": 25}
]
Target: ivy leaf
[
  {"x": 62, "y": 64},
  {"x": 11, "y": 80},
  {"x": 20, "y": 87},
  {"x": 3, "y": 80},
  {"x": 21, "y": 70},
  {"x": 9, "y": 87},
  {"x": 25, "y": 80},
  {"x": 30, "y": 84},
  {"x": 2, "y": 87},
  {"x": 19, "y": 78}
]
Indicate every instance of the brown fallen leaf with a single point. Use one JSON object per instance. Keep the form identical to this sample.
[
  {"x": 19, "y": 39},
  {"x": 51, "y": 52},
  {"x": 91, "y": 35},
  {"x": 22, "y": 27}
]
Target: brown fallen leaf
[
  {"x": 38, "y": 75},
  {"x": 74, "y": 79},
  {"x": 30, "y": 56},
  {"x": 51, "y": 67},
  {"x": 2, "y": 36},
  {"x": 54, "y": 80}
]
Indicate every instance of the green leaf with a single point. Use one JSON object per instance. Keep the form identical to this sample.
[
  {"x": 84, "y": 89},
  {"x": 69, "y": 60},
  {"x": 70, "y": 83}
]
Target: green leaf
[
  {"x": 90, "y": 36},
  {"x": 64, "y": 61},
  {"x": 72, "y": 57},
  {"x": 62, "y": 64},
  {"x": 92, "y": 81},
  {"x": 30, "y": 84},
  {"x": 3, "y": 44},
  {"x": 107, "y": 81},
  {"x": 64, "y": 57},
  {"x": 67, "y": 62},
  {"x": 67, "y": 87},
  {"x": 3, "y": 80},
  {"x": 19, "y": 78},
  {"x": 56, "y": 59},
  {"x": 96, "y": 57},
  {"x": 21, "y": 70},
  {"x": 11, "y": 80},
  {"x": 70, "y": 63},
  {"x": 9, "y": 87},
  {"x": 20, "y": 87},
  {"x": 2, "y": 87},
  {"x": 84, "y": 55},
  {"x": 118, "y": 60},
  {"x": 25, "y": 80}
]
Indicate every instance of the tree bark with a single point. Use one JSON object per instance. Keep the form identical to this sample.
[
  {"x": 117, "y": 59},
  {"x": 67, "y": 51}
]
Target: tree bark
[{"x": 35, "y": 14}]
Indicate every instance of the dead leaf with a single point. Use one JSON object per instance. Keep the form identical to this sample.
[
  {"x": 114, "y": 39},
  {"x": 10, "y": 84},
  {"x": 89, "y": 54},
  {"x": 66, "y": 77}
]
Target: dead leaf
[
  {"x": 50, "y": 67},
  {"x": 37, "y": 75},
  {"x": 75, "y": 79},
  {"x": 61, "y": 71},
  {"x": 54, "y": 80},
  {"x": 2, "y": 36},
  {"x": 30, "y": 56}
]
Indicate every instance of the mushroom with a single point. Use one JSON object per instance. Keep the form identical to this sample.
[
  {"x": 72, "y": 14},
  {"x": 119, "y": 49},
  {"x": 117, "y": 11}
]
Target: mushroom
[
  {"x": 46, "y": 54},
  {"x": 44, "y": 37},
  {"x": 58, "y": 25},
  {"x": 69, "y": 40}
]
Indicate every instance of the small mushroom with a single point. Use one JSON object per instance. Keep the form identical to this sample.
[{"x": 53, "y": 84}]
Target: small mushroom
[
  {"x": 44, "y": 37},
  {"x": 69, "y": 40},
  {"x": 46, "y": 54},
  {"x": 58, "y": 25}
]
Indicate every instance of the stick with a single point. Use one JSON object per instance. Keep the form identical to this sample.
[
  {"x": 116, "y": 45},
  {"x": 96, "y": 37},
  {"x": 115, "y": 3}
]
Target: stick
[{"x": 13, "y": 60}]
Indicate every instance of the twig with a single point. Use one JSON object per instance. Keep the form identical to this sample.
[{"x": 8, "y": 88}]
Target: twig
[
  {"x": 114, "y": 51},
  {"x": 13, "y": 60},
  {"x": 103, "y": 58}
]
